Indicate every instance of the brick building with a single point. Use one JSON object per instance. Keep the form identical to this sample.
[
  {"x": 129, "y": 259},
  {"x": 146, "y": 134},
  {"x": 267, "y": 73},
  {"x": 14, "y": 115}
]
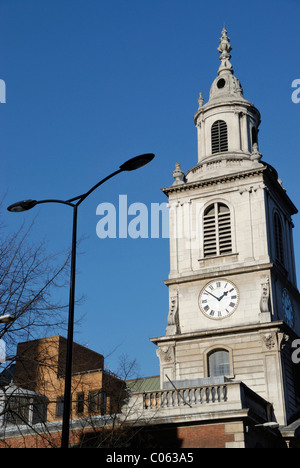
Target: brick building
[
  {"x": 40, "y": 367},
  {"x": 35, "y": 392}
]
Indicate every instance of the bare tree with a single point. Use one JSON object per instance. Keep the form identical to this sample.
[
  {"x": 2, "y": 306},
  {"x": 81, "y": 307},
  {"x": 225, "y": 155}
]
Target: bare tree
[
  {"x": 31, "y": 291},
  {"x": 30, "y": 280},
  {"x": 125, "y": 421}
]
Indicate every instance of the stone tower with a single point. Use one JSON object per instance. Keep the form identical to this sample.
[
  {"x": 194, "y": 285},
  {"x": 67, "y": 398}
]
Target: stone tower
[{"x": 234, "y": 307}]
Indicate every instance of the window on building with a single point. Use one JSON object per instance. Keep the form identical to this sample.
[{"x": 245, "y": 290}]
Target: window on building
[
  {"x": 219, "y": 137},
  {"x": 39, "y": 411},
  {"x": 94, "y": 401},
  {"x": 17, "y": 410},
  {"x": 104, "y": 400},
  {"x": 218, "y": 363},
  {"x": 60, "y": 406},
  {"x": 80, "y": 403},
  {"x": 97, "y": 402},
  {"x": 278, "y": 238},
  {"x": 217, "y": 230}
]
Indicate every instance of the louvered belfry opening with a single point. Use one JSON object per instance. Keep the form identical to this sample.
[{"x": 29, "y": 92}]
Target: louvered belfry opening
[
  {"x": 219, "y": 137},
  {"x": 217, "y": 230}
]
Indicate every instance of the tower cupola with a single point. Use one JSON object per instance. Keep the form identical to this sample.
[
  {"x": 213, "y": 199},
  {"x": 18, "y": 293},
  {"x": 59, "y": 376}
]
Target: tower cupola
[{"x": 227, "y": 125}]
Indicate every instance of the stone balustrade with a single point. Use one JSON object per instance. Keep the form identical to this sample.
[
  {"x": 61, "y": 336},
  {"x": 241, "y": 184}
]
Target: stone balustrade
[
  {"x": 185, "y": 397},
  {"x": 194, "y": 402}
]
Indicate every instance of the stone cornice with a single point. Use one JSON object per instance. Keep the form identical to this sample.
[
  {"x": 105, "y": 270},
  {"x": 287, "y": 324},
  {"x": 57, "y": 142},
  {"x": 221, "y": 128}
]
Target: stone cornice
[
  {"x": 215, "y": 274},
  {"x": 230, "y": 102},
  {"x": 271, "y": 178},
  {"x": 213, "y": 181},
  {"x": 251, "y": 328},
  {"x": 279, "y": 271}
]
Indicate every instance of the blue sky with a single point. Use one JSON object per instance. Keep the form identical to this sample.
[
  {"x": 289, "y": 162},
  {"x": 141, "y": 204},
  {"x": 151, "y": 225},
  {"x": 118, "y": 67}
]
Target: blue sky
[{"x": 91, "y": 83}]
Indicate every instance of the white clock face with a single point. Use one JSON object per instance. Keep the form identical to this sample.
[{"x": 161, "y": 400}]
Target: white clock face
[
  {"x": 219, "y": 299},
  {"x": 287, "y": 308}
]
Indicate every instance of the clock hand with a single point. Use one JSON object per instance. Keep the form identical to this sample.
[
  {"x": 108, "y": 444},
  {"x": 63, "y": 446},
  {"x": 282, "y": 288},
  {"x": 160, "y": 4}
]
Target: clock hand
[
  {"x": 225, "y": 294},
  {"x": 212, "y": 295}
]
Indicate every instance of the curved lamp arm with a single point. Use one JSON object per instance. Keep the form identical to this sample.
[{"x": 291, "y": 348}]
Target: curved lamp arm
[
  {"x": 130, "y": 165},
  {"x": 82, "y": 197}
]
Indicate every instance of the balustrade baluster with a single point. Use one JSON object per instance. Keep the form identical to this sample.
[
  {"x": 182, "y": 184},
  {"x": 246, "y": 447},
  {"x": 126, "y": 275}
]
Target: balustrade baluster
[
  {"x": 178, "y": 398},
  {"x": 213, "y": 394},
  {"x": 191, "y": 396},
  {"x": 163, "y": 399},
  {"x": 195, "y": 396},
  {"x": 224, "y": 393}
]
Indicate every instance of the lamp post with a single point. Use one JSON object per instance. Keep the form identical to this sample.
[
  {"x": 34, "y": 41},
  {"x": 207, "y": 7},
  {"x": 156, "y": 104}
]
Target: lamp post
[{"x": 25, "y": 205}]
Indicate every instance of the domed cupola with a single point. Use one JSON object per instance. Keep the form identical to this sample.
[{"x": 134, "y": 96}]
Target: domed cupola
[{"x": 227, "y": 124}]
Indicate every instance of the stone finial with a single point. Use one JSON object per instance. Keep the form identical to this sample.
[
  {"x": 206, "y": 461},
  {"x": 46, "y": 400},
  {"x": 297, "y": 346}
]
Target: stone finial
[
  {"x": 255, "y": 155},
  {"x": 177, "y": 174},
  {"x": 200, "y": 101},
  {"x": 224, "y": 49}
]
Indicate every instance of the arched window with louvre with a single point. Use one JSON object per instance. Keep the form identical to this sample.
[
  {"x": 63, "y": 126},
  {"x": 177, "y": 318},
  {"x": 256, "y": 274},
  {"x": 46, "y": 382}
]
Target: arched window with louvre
[
  {"x": 219, "y": 137},
  {"x": 217, "y": 237}
]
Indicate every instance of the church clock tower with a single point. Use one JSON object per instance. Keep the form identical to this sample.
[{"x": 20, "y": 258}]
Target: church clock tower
[{"x": 234, "y": 307}]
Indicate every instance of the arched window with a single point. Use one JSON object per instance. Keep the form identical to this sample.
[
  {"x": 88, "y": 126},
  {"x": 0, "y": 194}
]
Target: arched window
[
  {"x": 278, "y": 239},
  {"x": 217, "y": 230},
  {"x": 219, "y": 137},
  {"x": 218, "y": 363}
]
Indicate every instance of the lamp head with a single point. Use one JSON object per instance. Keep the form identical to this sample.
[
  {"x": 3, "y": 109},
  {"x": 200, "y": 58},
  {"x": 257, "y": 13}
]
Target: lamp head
[
  {"x": 6, "y": 318},
  {"x": 24, "y": 205},
  {"x": 137, "y": 162}
]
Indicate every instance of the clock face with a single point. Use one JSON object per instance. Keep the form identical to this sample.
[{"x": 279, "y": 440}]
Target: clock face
[
  {"x": 287, "y": 308},
  {"x": 219, "y": 299}
]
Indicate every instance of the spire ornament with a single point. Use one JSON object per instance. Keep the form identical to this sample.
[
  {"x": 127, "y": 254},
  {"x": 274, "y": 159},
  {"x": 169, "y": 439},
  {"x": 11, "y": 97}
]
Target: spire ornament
[
  {"x": 255, "y": 155},
  {"x": 178, "y": 174},
  {"x": 224, "y": 49},
  {"x": 200, "y": 101}
]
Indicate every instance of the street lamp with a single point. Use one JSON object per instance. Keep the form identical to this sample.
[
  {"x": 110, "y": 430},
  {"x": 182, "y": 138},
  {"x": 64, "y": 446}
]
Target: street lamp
[
  {"x": 6, "y": 319},
  {"x": 25, "y": 205}
]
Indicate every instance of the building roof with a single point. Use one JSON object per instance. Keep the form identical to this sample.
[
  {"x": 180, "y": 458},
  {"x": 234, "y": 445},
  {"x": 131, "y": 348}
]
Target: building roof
[{"x": 144, "y": 384}]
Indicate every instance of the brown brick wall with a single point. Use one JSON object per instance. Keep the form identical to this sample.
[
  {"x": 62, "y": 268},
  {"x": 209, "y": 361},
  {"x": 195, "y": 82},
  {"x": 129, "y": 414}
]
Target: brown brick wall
[
  {"x": 51, "y": 353},
  {"x": 185, "y": 437},
  {"x": 211, "y": 436}
]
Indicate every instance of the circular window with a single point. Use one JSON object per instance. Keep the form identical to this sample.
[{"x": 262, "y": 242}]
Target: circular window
[{"x": 221, "y": 83}]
